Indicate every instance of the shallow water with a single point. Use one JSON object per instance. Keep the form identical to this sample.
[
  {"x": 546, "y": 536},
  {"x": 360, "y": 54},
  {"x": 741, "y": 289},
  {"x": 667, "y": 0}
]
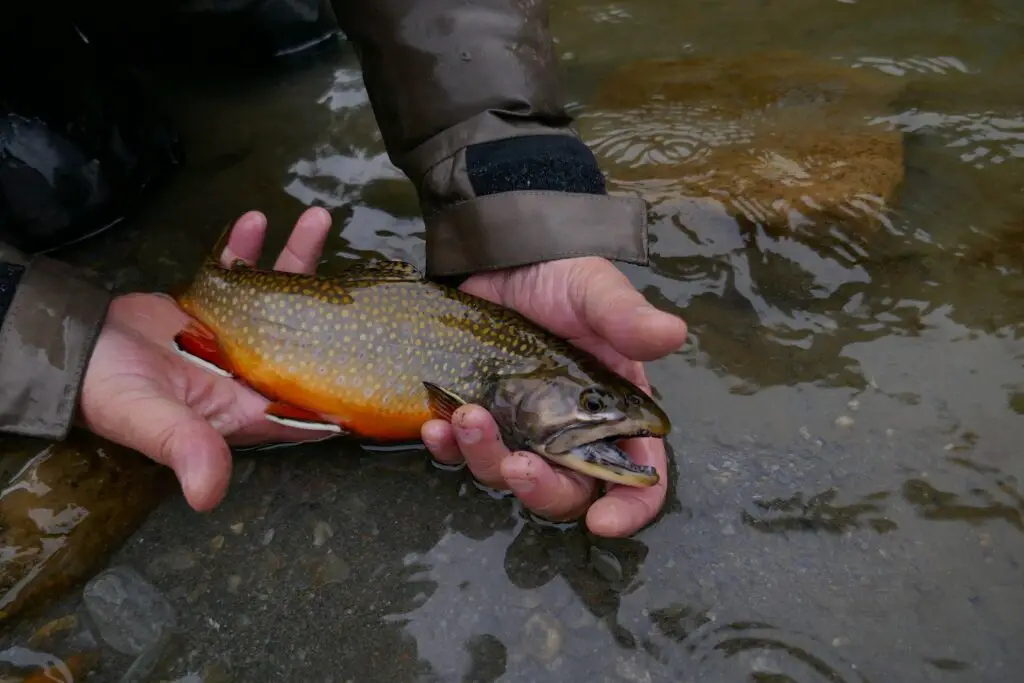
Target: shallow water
[{"x": 846, "y": 500}]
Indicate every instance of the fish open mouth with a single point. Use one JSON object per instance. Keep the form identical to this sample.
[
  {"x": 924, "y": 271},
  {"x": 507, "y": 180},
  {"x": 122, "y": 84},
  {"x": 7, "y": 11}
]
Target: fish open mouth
[
  {"x": 605, "y": 459},
  {"x": 602, "y": 457}
]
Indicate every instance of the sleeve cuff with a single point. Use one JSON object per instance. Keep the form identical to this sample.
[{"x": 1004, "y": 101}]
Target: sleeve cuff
[
  {"x": 46, "y": 340},
  {"x": 498, "y": 191},
  {"x": 519, "y": 228}
]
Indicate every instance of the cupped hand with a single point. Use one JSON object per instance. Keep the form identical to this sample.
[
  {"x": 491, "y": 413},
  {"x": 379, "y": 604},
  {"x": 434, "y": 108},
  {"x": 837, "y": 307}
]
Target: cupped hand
[
  {"x": 137, "y": 392},
  {"x": 591, "y": 303}
]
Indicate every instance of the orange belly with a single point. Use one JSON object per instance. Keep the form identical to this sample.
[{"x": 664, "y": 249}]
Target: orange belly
[{"x": 400, "y": 419}]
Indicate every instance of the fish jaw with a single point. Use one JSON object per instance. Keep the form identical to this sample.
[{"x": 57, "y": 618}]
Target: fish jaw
[
  {"x": 606, "y": 461},
  {"x": 592, "y": 449}
]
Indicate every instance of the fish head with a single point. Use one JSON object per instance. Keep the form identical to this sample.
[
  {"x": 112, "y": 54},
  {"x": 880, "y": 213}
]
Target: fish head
[{"x": 576, "y": 420}]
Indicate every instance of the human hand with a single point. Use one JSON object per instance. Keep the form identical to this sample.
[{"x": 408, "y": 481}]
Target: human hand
[
  {"x": 137, "y": 392},
  {"x": 589, "y": 302}
]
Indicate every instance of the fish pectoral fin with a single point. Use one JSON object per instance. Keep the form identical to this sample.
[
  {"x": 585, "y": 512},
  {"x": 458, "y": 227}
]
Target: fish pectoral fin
[
  {"x": 198, "y": 343},
  {"x": 300, "y": 418},
  {"x": 443, "y": 402}
]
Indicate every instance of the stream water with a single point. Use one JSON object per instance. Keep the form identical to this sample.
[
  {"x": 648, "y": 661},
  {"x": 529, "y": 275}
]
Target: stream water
[{"x": 846, "y": 502}]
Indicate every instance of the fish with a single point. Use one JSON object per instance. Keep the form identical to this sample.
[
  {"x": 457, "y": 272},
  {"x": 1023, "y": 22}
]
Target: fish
[{"x": 375, "y": 350}]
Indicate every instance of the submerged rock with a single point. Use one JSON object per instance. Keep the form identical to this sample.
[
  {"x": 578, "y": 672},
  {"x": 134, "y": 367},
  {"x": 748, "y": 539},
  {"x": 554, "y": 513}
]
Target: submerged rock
[
  {"x": 128, "y": 612},
  {"x": 65, "y": 510},
  {"x": 777, "y": 138}
]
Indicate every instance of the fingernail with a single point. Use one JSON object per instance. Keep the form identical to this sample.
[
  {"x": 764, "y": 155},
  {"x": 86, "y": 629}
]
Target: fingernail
[
  {"x": 520, "y": 485},
  {"x": 468, "y": 436}
]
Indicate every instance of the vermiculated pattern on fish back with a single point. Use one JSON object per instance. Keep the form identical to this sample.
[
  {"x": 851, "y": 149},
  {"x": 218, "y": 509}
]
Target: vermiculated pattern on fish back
[{"x": 371, "y": 334}]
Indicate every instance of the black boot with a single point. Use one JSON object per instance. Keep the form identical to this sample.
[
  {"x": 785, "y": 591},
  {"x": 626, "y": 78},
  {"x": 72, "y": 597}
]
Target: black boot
[
  {"x": 82, "y": 141},
  {"x": 209, "y": 33}
]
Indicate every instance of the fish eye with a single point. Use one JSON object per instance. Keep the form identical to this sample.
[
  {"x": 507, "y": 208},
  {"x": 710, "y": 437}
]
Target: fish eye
[
  {"x": 593, "y": 400},
  {"x": 633, "y": 400}
]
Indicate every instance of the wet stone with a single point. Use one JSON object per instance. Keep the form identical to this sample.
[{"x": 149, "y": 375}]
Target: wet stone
[
  {"x": 332, "y": 570},
  {"x": 322, "y": 532},
  {"x": 173, "y": 562},
  {"x": 777, "y": 138},
  {"x": 542, "y": 637},
  {"x": 127, "y": 612}
]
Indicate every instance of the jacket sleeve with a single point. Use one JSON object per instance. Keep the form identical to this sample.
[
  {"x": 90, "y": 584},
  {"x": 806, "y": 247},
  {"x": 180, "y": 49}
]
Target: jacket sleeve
[
  {"x": 52, "y": 314},
  {"x": 469, "y": 102}
]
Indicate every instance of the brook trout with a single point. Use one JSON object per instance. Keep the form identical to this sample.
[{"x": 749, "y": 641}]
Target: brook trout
[{"x": 376, "y": 351}]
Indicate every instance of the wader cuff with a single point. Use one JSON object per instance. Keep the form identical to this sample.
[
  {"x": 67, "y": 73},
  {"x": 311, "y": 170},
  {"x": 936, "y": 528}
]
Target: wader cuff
[
  {"x": 47, "y": 337},
  {"x": 499, "y": 192}
]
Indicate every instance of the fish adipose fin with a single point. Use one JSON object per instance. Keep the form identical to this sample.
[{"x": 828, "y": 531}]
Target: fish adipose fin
[
  {"x": 442, "y": 402},
  {"x": 300, "y": 418},
  {"x": 198, "y": 343}
]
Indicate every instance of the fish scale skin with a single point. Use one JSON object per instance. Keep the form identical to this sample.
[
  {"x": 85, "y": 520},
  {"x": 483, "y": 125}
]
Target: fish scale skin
[{"x": 358, "y": 346}]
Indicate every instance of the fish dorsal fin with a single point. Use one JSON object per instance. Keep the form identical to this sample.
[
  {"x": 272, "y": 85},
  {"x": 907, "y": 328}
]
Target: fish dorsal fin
[
  {"x": 382, "y": 270},
  {"x": 443, "y": 403},
  {"x": 220, "y": 244}
]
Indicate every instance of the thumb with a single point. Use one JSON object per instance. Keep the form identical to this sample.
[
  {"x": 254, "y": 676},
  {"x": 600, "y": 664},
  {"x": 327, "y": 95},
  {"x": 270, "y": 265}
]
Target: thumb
[
  {"x": 618, "y": 313},
  {"x": 171, "y": 434}
]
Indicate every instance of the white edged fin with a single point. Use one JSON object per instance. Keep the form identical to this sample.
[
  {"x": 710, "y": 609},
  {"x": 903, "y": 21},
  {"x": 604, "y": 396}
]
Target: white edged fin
[
  {"x": 303, "y": 424},
  {"x": 206, "y": 365}
]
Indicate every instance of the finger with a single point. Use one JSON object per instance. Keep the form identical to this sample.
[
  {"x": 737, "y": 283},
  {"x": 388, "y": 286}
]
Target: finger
[
  {"x": 617, "y": 312},
  {"x": 554, "y": 494},
  {"x": 439, "y": 438},
  {"x": 173, "y": 435},
  {"x": 306, "y": 243},
  {"x": 246, "y": 240},
  {"x": 624, "y": 510},
  {"x": 478, "y": 440}
]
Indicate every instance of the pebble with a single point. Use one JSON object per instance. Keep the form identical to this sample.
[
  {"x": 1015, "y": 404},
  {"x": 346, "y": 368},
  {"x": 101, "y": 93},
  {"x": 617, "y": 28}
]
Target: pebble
[
  {"x": 844, "y": 421},
  {"x": 237, "y": 528},
  {"x": 268, "y": 536},
  {"x": 217, "y": 543},
  {"x": 150, "y": 659},
  {"x": 175, "y": 561},
  {"x": 322, "y": 532},
  {"x": 333, "y": 570},
  {"x": 234, "y": 581},
  {"x": 127, "y": 612},
  {"x": 542, "y": 637}
]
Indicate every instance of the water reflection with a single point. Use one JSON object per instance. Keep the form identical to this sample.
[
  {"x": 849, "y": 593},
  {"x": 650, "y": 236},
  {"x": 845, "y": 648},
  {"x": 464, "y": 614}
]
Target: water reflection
[{"x": 819, "y": 513}]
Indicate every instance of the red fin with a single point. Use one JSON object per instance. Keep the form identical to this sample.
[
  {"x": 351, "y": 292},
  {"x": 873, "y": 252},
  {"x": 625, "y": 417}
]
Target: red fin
[
  {"x": 300, "y": 418},
  {"x": 443, "y": 403},
  {"x": 198, "y": 343}
]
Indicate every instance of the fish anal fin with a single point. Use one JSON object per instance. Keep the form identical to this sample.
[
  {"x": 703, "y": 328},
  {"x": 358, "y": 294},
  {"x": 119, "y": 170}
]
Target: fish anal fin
[
  {"x": 443, "y": 403},
  {"x": 300, "y": 418},
  {"x": 198, "y": 343}
]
